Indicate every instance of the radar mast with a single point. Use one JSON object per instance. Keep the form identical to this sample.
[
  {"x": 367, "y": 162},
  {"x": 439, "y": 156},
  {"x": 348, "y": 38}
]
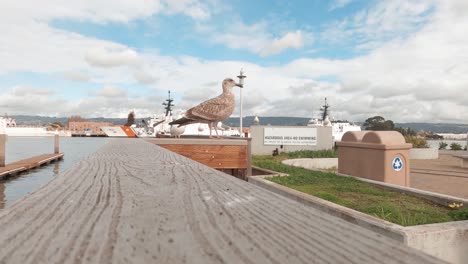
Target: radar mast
[{"x": 168, "y": 104}]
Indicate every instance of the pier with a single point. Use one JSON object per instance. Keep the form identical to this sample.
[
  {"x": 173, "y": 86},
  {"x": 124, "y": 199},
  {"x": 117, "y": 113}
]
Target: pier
[
  {"x": 24, "y": 165},
  {"x": 28, "y": 164},
  {"x": 135, "y": 202}
]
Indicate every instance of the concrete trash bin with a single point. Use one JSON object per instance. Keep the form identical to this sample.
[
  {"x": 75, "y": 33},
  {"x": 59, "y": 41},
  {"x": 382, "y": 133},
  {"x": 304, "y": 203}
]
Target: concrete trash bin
[{"x": 375, "y": 155}]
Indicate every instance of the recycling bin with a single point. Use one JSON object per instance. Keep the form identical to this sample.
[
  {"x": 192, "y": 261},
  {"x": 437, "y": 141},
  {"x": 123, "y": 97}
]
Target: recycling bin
[{"x": 375, "y": 155}]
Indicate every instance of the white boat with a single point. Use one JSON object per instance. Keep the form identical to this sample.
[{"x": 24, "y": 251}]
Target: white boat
[
  {"x": 11, "y": 129},
  {"x": 157, "y": 125},
  {"x": 118, "y": 131},
  {"x": 338, "y": 127}
]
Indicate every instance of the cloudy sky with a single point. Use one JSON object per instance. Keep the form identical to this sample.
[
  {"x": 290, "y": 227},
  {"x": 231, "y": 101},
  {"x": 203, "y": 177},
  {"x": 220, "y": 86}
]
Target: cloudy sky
[{"x": 406, "y": 60}]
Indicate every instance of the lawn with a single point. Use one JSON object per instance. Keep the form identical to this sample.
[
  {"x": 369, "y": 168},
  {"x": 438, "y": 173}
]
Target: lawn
[{"x": 392, "y": 206}]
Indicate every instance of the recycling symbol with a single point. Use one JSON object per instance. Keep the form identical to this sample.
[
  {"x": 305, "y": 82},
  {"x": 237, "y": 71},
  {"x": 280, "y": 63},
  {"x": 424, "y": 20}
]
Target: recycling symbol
[{"x": 397, "y": 164}]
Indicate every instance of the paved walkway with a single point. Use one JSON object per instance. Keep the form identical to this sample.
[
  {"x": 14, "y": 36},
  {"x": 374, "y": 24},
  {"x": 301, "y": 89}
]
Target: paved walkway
[
  {"x": 443, "y": 175},
  {"x": 134, "y": 202}
]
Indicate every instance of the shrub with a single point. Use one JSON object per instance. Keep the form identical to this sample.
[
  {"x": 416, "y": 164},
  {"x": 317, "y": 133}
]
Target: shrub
[
  {"x": 466, "y": 147},
  {"x": 442, "y": 145},
  {"x": 455, "y": 146},
  {"x": 417, "y": 142},
  {"x": 458, "y": 215}
]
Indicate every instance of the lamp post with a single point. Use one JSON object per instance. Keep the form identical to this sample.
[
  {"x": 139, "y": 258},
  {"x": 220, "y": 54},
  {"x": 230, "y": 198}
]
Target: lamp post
[{"x": 241, "y": 82}]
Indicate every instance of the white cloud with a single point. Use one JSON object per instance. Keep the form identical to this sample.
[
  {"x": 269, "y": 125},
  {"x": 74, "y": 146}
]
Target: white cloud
[
  {"x": 105, "y": 57},
  {"x": 101, "y": 11},
  {"x": 76, "y": 75},
  {"x": 195, "y": 9},
  {"x": 111, "y": 92},
  {"x": 257, "y": 39},
  {"x": 31, "y": 100},
  {"x": 107, "y": 102},
  {"x": 30, "y": 91},
  {"x": 339, "y": 4},
  {"x": 293, "y": 40},
  {"x": 144, "y": 77},
  {"x": 384, "y": 21}
]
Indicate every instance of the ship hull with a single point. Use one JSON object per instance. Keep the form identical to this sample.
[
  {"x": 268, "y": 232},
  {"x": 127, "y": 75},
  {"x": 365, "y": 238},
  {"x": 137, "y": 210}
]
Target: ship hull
[
  {"x": 119, "y": 131},
  {"x": 28, "y": 132}
]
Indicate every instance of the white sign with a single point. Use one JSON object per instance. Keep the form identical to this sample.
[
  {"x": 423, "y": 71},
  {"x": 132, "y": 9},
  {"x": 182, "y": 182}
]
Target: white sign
[{"x": 293, "y": 136}]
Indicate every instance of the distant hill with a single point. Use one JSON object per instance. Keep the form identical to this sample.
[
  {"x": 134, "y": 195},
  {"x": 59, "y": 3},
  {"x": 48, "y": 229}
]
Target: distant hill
[
  {"x": 436, "y": 128},
  {"x": 271, "y": 120},
  {"x": 248, "y": 121},
  {"x": 27, "y": 120},
  {"x": 293, "y": 121}
]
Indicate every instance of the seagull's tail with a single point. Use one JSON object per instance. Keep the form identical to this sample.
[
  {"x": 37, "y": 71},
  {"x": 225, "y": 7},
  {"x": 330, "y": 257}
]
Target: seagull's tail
[{"x": 182, "y": 122}]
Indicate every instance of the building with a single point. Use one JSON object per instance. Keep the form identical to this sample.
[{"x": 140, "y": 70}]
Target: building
[{"x": 87, "y": 127}]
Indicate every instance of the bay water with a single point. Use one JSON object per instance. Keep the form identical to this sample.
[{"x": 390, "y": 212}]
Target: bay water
[
  {"x": 435, "y": 143},
  {"x": 18, "y": 148}
]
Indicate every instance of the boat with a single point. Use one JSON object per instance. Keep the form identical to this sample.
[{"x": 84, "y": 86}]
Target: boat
[
  {"x": 158, "y": 125},
  {"x": 339, "y": 127},
  {"x": 118, "y": 131},
  {"x": 13, "y": 130}
]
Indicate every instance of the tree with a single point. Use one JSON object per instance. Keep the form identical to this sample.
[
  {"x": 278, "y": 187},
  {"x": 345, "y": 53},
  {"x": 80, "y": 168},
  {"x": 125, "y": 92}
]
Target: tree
[
  {"x": 406, "y": 131},
  {"x": 57, "y": 125},
  {"x": 130, "y": 119},
  {"x": 378, "y": 123},
  {"x": 76, "y": 118}
]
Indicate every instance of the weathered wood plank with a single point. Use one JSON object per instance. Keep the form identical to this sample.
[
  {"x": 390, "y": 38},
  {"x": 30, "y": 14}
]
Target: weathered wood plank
[
  {"x": 134, "y": 202},
  {"x": 219, "y": 157}
]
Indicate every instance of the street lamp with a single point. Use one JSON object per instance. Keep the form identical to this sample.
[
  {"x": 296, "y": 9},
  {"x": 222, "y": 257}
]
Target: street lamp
[{"x": 241, "y": 82}]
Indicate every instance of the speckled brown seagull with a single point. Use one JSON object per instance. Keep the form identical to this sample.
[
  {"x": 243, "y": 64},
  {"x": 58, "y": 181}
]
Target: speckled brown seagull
[{"x": 213, "y": 110}]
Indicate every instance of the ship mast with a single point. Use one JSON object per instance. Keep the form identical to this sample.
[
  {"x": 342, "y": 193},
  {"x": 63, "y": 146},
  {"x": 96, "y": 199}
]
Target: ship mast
[
  {"x": 324, "y": 108},
  {"x": 168, "y": 104}
]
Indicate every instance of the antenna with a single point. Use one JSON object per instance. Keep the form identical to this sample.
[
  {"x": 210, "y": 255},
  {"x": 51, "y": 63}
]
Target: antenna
[
  {"x": 168, "y": 104},
  {"x": 325, "y": 109}
]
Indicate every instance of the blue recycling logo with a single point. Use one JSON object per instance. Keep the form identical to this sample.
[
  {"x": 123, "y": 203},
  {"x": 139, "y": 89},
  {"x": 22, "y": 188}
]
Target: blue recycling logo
[{"x": 397, "y": 164}]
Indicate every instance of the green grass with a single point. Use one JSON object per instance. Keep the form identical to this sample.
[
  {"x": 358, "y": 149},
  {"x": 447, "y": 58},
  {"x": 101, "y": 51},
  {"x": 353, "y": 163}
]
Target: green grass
[{"x": 392, "y": 206}]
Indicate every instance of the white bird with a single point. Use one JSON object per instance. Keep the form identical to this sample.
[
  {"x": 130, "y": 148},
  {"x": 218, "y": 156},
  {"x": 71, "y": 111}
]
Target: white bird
[
  {"x": 176, "y": 131},
  {"x": 213, "y": 110}
]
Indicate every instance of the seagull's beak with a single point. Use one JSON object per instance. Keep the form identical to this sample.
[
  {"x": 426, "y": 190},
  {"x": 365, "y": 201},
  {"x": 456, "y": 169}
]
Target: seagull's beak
[{"x": 238, "y": 84}]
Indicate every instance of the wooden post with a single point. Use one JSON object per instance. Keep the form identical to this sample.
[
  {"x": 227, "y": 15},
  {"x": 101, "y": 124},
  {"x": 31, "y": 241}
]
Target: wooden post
[
  {"x": 2, "y": 149},
  {"x": 249, "y": 157},
  {"x": 56, "y": 142}
]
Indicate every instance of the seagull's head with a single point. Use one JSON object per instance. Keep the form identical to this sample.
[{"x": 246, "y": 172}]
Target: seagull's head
[{"x": 228, "y": 83}]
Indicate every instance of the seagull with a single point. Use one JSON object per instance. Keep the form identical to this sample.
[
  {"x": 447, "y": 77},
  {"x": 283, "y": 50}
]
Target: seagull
[
  {"x": 213, "y": 110},
  {"x": 176, "y": 131}
]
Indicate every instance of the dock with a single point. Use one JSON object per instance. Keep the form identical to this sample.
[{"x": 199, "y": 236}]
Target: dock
[
  {"x": 28, "y": 164},
  {"x": 135, "y": 202}
]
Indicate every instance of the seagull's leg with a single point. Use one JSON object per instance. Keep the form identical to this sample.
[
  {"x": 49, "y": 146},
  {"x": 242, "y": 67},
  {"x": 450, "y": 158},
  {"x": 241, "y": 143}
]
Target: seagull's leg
[
  {"x": 215, "y": 125},
  {"x": 210, "y": 127}
]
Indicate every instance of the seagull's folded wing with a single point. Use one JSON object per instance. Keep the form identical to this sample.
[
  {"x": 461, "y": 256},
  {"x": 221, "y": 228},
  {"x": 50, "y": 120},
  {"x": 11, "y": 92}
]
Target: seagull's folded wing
[{"x": 216, "y": 109}]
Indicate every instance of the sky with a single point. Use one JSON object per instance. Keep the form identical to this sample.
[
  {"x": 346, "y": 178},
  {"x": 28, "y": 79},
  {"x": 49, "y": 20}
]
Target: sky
[{"x": 405, "y": 60}]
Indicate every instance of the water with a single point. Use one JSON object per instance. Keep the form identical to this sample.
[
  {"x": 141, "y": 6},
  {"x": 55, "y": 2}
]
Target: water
[
  {"x": 18, "y": 148},
  {"x": 435, "y": 143}
]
